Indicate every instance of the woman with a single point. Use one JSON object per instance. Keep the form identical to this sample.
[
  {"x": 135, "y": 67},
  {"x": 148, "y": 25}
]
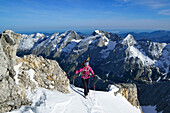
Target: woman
[{"x": 85, "y": 76}]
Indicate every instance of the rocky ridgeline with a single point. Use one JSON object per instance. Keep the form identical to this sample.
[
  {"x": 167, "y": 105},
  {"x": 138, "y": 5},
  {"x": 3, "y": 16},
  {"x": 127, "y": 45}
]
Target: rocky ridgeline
[
  {"x": 20, "y": 75},
  {"x": 36, "y": 71}
]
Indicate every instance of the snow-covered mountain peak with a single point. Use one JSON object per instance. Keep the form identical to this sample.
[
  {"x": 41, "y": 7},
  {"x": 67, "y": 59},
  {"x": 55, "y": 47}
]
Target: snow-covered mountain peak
[
  {"x": 135, "y": 53},
  {"x": 99, "y": 32},
  {"x": 54, "y": 35},
  {"x": 129, "y": 40},
  {"x": 164, "y": 61},
  {"x": 65, "y": 33},
  {"x": 71, "y": 34},
  {"x": 39, "y": 35},
  {"x": 103, "y": 41}
]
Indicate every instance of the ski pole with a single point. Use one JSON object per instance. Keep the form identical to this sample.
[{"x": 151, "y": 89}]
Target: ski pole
[
  {"x": 94, "y": 90},
  {"x": 73, "y": 79}
]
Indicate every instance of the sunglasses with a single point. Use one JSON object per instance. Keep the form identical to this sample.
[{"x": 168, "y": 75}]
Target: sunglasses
[{"x": 87, "y": 63}]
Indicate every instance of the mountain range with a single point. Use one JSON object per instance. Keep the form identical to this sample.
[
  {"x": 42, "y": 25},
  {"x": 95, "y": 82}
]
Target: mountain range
[
  {"x": 112, "y": 57},
  {"x": 155, "y": 36}
]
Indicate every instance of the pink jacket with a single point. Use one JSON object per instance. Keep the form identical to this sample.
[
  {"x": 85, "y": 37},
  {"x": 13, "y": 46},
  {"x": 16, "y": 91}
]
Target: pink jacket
[{"x": 85, "y": 73}]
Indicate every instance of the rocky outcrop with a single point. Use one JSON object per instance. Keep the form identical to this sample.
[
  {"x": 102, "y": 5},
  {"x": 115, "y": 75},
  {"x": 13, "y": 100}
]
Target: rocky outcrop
[
  {"x": 129, "y": 91},
  {"x": 157, "y": 94},
  {"x": 18, "y": 76},
  {"x": 36, "y": 71},
  {"x": 9, "y": 97}
]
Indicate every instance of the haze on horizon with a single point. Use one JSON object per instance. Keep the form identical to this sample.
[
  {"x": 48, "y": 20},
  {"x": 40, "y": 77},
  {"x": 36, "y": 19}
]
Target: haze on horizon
[{"x": 51, "y": 15}]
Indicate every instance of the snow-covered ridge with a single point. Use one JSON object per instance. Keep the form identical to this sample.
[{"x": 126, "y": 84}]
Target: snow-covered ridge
[
  {"x": 129, "y": 40},
  {"x": 105, "y": 52},
  {"x": 28, "y": 41},
  {"x": 158, "y": 47},
  {"x": 76, "y": 40},
  {"x": 86, "y": 41},
  {"x": 103, "y": 41},
  {"x": 39, "y": 35},
  {"x": 47, "y": 101},
  {"x": 164, "y": 61},
  {"x": 98, "y": 32},
  {"x": 133, "y": 52}
]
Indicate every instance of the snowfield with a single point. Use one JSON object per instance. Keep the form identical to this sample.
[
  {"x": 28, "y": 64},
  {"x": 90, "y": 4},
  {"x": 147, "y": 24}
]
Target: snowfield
[
  {"x": 149, "y": 109},
  {"x": 48, "y": 101}
]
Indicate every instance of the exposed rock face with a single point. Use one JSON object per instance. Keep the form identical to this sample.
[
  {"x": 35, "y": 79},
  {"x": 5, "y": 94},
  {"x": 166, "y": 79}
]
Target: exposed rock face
[
  {"x": 9, "y": 97},
  {"x": 129, "y": 91},
  {"x": 20, "y": 75},
  {"x": 39, "y": 72},
  {"x": 157, "y": 94}
]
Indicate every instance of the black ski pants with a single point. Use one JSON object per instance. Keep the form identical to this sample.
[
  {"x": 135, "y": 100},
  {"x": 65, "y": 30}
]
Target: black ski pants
[{"x": 86, "y": 86}]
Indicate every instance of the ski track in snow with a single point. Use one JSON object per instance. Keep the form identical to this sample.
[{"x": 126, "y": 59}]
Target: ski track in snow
[
  {"x": 91, "y": 104},
  {"x": 60, "y": 105}
]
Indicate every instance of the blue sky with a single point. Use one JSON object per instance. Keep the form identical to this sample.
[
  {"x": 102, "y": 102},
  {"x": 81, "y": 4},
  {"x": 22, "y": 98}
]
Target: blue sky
[{"x": 53, "y": 15}]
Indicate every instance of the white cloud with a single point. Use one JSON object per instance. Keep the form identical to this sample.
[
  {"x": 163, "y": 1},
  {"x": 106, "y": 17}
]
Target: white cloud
[
  {"x": 164, "y": 12},
  {"x": 153, "y": 3},
  {"x": 158, "y": 5}
]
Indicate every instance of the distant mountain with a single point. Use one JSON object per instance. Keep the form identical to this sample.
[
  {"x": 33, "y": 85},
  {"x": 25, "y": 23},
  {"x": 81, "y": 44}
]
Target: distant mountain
[
  {"x": 156, "y": 36},
  {"x": 113, "y": 58}
]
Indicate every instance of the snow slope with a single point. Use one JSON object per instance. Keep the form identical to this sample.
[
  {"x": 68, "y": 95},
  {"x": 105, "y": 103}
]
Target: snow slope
[
  {"x": 149, "y": 109},
  {"x": 105, "y": 52},
  {"x": 47, "y": 101},
  {"x": 28, "y": 41},
  {"x": 164, "y": 61},
  {"x": 133, "y": 52}
]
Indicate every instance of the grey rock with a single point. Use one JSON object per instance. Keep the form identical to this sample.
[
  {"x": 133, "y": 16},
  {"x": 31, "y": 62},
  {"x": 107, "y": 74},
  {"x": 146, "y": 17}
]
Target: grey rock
[
  {"x": 129, "y": 91},
  {"x": 47, "y": 74},
  {"x": 9, "y": 98}
]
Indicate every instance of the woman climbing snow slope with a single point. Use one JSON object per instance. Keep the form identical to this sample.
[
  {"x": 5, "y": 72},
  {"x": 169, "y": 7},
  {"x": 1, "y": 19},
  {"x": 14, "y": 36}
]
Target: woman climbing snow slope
[{"x": 85, "y": 76}]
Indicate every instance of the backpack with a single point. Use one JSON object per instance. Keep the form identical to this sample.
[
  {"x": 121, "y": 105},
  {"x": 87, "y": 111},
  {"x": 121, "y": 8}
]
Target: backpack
[{"x": 85, "y": 71}]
